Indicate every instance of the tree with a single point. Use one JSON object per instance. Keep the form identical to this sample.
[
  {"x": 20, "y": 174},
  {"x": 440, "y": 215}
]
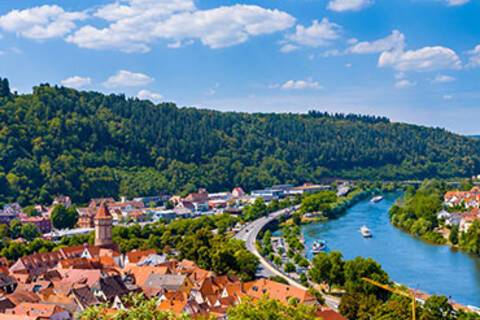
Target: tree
[
  {"x": 63, "y": 218},
  {"x": 437, "y": 307},
  {"x": 86, "y": 144},
  {"x": 29, "y": 231},
  {"x": 266, "y": 309},
  {"x": 318, "y": 202},
  {"x": 360, "y": 267},
  {"x": 169, "y": 205},
  {"x": 4, "y": 88},
  {"x": 31, "y": 211},
  {"x": 15, "y": 229},
  {"x": 328, "y": 267},
  {"x": 396, "y": 308},
  {"x": 358, "y": 306},
  {"x": 453, "y": 237},
  {"x": 246, "y": 264},
  {"x": 289, "y": 267}
]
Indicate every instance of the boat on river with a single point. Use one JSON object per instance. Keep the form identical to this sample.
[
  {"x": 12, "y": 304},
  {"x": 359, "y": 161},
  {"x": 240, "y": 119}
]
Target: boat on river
[
  {"x": 319, "y": 246},
  {"x": 376, "y": 199},
  {"x": 366, "y": 233}
]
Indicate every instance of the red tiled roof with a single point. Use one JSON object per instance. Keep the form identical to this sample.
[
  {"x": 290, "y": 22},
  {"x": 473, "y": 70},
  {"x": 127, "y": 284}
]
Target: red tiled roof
[{"x": 103, "y": 212}]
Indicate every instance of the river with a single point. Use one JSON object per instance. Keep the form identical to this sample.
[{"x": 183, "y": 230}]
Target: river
[{"x": 410, "y": 261}]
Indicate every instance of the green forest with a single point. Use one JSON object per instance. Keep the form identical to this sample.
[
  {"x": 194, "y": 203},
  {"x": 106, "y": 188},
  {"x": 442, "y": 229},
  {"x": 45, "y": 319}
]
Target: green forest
[{"x": 87, "y": 144}]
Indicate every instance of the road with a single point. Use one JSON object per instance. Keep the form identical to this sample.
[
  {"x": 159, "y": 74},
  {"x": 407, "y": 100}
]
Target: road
[{"x": 250, "y": 233}]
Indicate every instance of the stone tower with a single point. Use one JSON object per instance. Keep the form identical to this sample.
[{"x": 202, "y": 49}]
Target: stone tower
[{"x": 103, "y": 227}]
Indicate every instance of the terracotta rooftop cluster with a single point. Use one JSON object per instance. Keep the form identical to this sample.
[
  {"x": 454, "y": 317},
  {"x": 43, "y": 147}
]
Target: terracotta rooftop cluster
[{"x": 60, "y": 284}]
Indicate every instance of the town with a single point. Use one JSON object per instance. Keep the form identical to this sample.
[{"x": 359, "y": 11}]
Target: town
[{"x": 61, "y": 284}]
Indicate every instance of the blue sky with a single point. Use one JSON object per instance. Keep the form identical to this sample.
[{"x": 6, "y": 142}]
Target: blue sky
[{"x": 414, "y": 61}]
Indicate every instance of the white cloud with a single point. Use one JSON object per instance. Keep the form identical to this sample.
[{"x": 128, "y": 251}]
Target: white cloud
[
  {"x": 124, "y": 78},
  {"x": 76, "y": 82},
  {"x": 424, "y": 59},
  {"x": 300, "y": 85},
  {"x": 318, "y": 34},
  {"x": 136, "y": 24},
  {"x": 348, "y": 5},
  {"x": 404, "y": 83},
  {"x": 288, "y": 48},
  {"x": 44, "y": 22},
  {"x": 456, "y": 2},
  {"x": 447, "y": 97},
  {"x": 474, "y": 60},
  {"x": 395, "y": 41},
  {"x": 442, "y": 78},
  {"x": 149, "y": 95}
]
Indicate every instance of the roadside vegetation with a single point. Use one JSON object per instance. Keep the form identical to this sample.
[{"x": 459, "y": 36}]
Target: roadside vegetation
[{"x": 361, "y": 300}]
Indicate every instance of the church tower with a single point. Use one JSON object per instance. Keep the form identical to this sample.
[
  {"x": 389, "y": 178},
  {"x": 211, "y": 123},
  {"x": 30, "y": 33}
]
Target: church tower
[{"x": 103, "y": 227}]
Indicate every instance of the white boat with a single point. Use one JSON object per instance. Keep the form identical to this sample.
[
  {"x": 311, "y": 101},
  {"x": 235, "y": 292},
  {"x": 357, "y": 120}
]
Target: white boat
[
  {"x": 319, "y": 246},
  {"x": 376, "y": 199},
  {"x": 366, "y": 233}
]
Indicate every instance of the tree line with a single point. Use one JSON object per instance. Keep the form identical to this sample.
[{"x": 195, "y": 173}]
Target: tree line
[{"x": 88, "y": 145}]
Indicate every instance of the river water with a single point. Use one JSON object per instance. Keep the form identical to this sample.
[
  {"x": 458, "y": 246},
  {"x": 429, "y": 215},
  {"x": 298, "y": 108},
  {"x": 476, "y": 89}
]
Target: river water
[{"x": 410, "y": 261}]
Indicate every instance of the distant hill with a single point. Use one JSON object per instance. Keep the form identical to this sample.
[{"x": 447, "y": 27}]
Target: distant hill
[{"x": 87, "y": 144}]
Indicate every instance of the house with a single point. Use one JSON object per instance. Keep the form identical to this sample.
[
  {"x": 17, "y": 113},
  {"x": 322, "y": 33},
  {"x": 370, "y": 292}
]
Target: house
[
  {"x": 41, "y": 311},
  {"x": 218, "y": 203},
  {"x": 238, "y": 193},
  {"x": 159, "y": 214},
  {"x": 137, "y": 216},
  {"x": 278, "y": 291},
  {"x": 343, "y": 190},
  {"x": 109, "y": 288},
  {"x": 282, "y": 187},
  {"x": 182, "y": 211},
  {"x": 6, "y": 217},
  {"x": 84, "y": 297},
  {"x": 198, "y": 200},
  {"x": 157, "y": 283},
  {"x": 153, "y": 260},
  {"x": 13, "y": 208},
  {"x": 5, "y": 304},
  {"x": 308, "y": 188},
  {"x": 65, "y": 201},
  {"x": 8, "y": 284},
  {"x": 220, "y": 196},
  {"x": 43, "y": 224},
  {"x": 467, "y": 199},
  {"x": 5, "y": 316},
  {"x": 467, "y": 221},
  {"x": 136, "y": 256},
  {"x": 125, "y": 207},
  {"x": 329, "y": 314},
  {"x": 267, "y": 194},
  {"x": 157, "y": 200}
]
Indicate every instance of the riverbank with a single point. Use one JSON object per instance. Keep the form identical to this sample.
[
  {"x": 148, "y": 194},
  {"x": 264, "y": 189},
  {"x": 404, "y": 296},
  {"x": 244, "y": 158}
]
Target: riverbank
[
  {"x": 339, "y": 206},
  {"x": 406, "y": 259},
  {"x": 417, "y": 214}
]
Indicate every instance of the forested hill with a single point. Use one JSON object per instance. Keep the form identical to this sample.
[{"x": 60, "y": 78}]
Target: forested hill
[{"x": 86, "y": 144}]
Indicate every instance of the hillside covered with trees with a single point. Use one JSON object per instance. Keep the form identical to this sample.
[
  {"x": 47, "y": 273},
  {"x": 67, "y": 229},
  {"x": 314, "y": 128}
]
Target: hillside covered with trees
[{"x": 86, "y": 144}]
